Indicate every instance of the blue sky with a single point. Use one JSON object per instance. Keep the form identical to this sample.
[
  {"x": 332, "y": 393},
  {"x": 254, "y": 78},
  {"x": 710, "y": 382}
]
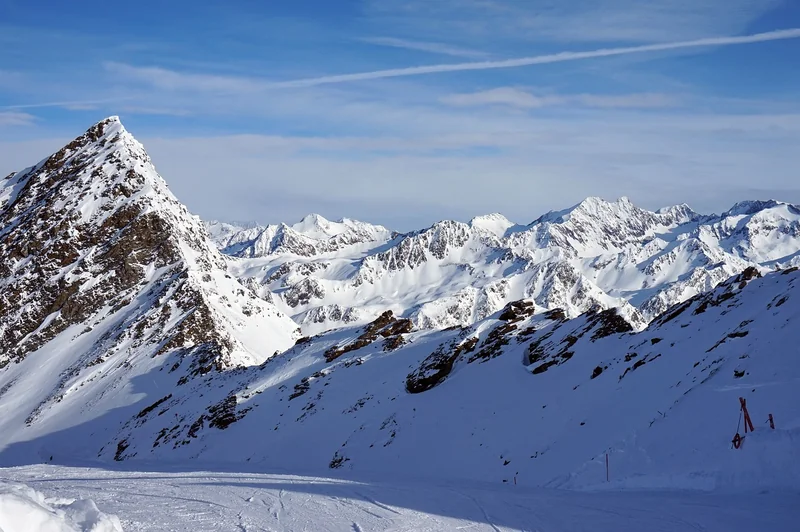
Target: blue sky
[{"x": 266, "y": 111}]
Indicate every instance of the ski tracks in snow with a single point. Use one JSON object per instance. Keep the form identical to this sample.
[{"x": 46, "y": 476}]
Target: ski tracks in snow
[{"x": 198, "y": 502}]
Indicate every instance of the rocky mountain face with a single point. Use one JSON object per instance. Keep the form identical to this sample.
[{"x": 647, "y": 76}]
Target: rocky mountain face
[
  {"x": 102, "y": 266},
  {"x": 598, "y": 253}
]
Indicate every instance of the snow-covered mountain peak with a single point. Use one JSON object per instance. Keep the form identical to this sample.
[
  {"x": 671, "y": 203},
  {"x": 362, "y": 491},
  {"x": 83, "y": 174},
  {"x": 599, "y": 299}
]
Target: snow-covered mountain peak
[
  {"x": 92, "y": 238},
  {"x": 313, "y": 236},
  {"x": 494, "y": 223},
  {"x": 316, "y": 226},
  {"x": 746, "y": 208},
  {"x": 678, "y": 214},
  {"x": 592, "y": 207}
]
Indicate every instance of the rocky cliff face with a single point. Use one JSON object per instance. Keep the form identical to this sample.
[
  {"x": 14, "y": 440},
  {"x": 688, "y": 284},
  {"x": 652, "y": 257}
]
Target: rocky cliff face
[{"x": 93, "y": 244}]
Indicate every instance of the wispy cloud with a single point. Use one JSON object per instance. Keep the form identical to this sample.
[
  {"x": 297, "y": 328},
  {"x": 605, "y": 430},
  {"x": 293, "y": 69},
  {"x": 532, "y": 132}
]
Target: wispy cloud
[
  {"x": 522, "y": 99},
  {"x": 16, "y": 118},
  {"x": 423, "y": 46},
  {"x": 551, "y": 161},
  {"x": 167, "y": 79},
  {"x": 493, "y": 21},
  {"x": 560, "y": 57},
  {"x": 72, "y": 105}
]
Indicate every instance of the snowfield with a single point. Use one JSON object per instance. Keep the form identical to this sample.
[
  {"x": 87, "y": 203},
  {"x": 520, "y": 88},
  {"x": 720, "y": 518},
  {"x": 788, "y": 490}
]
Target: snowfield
[
  {"x": 248, "y": 502},
  {"x": 23, "y": 509}
]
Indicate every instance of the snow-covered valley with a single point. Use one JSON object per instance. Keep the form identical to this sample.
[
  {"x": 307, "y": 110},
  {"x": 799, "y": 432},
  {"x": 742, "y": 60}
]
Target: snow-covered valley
[{"x": 341, "y": 376}]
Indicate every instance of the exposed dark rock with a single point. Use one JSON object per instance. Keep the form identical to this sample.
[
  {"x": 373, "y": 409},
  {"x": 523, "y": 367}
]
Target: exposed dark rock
[
  {"x": 386, "y": 326},
  {"x": 557, "y": 314},
  {"x": 152, "y": 407},
  {"x": 609, "y": 322},
  {"x": 517, "y": 311},
  {"x": 492, "y": 346},
  {"x": 121, "y": 447},
  {"x": 393, "y": 342},
  {"x": 224, "y": 414},
  {"x": 437, "y": 366}
]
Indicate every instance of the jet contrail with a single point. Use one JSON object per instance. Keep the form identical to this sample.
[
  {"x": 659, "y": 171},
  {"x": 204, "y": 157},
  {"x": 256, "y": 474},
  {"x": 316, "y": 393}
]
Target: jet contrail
[
  {"x": 777, "y": 35},
  {"x": 65, "y": 103}
]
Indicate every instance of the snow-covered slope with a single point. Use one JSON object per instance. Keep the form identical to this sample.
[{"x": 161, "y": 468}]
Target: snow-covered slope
[
  {"x": 23, "y": 509},
  {"x": 125, "y": 337},
  {"x": 536, "y": 399},
  {"x": 104, "y": 274},
  {"x": 541, "y": 399},
  {"x": 613, "y": 254}
]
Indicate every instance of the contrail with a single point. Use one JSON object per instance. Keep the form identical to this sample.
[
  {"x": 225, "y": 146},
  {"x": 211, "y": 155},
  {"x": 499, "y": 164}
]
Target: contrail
[
  {"x": 777, "y": 35},
  {"x": 65, "y": 103}
]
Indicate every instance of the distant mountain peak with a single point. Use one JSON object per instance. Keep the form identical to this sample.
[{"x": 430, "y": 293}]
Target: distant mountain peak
[
  {"x": 495, "y": 223},
  {"x": 744, "y": 208}
]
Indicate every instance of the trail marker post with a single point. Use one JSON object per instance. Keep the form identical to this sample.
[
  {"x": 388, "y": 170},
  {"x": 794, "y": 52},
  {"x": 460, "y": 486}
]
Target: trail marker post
[{"x": 747, "y": 421}]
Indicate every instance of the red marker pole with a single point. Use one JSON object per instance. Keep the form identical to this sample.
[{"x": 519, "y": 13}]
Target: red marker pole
[
  {"x": 607, "y": 478},
  {"x": 747, "y": 421}
]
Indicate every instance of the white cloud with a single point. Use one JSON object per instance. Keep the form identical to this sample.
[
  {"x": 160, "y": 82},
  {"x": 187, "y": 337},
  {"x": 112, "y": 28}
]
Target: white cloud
[
  {"x": 568, "y": 21},
  {"x": 639, "y": 100},
  {"x": 528, "y": 167},
  {"x": 423, "y": 46},
  {"x": 514, "y": 97},
  {"x": 72, "y": 105},
  {"x": 408, "y": 177},
  {"x": 16, "y": 118},
  {"x": 509, "y": 96},
  {"x": 170, "y": 80}
]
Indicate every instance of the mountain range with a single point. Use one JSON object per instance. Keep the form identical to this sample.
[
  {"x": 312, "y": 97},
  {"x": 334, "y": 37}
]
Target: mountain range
[
  {"x": 326, "y": 275},
  {"x": 132, "y": 330}
]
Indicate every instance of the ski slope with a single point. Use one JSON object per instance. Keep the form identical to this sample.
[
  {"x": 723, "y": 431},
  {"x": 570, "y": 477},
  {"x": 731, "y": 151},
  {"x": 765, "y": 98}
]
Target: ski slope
[
  {"x": 23, "y": 509},
  {"x": 248, "y": 502}
]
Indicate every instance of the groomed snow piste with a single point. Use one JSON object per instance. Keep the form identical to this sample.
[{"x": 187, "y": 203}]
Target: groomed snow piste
[{"x": 23, "y": 509}]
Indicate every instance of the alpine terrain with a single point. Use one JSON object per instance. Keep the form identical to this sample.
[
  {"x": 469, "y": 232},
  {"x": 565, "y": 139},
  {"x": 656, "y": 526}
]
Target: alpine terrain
[
  {"x": 598, "y": 253},
  {"x": 339, "y": 375}
]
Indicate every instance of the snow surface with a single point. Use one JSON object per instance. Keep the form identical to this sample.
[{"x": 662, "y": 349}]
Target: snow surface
[
  {"x": 192, "y": 501},
  {"x": 23, "y": 509}
]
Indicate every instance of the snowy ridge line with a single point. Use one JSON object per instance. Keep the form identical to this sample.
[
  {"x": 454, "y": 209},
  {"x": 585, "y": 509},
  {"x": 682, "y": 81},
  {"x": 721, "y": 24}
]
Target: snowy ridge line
[{"x": 598, "y": 253}]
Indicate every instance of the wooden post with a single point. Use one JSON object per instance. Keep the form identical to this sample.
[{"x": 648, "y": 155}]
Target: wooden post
[
  {"x": 747, "y": 421},
  {"x": 771, "y": 422}
]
